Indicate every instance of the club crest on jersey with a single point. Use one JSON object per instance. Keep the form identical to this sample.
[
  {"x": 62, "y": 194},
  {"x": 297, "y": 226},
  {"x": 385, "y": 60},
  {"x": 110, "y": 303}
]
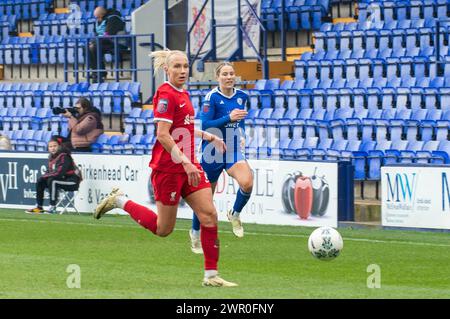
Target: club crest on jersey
[
  {"x": 205, "y": 107},
  {"x": 239, "y": 101},
  {"x": 172, "y": 196},
  {"x": 162, "y": 105}
]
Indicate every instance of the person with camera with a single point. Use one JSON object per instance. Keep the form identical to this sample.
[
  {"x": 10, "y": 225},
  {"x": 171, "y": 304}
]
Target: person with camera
[
  {"x": 62, "y": 173},
  {"x": 85, "y": 125}
]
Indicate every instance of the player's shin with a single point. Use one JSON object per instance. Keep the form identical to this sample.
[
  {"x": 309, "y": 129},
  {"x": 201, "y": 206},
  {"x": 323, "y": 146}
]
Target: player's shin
[
  {"x": 210, "y": 244},
  {"x": 241, "y": 200},
  {"x": 142, "y": 215}
]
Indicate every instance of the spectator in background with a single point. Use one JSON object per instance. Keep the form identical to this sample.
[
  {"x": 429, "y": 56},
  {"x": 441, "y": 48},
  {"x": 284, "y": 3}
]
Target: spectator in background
[
  {"x": 5, "y": 143},
  {"x": 62, "y": 173},
  {"x": 109, "y": 22},
  {"x": 86, "y": 127}
]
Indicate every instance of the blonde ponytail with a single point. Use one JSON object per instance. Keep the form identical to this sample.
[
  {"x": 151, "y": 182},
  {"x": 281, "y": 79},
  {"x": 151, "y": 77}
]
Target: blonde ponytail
[{"x": 162, "y": 58}]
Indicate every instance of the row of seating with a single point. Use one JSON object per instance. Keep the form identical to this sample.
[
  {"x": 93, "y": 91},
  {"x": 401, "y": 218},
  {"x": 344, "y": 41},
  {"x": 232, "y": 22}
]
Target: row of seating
[
  {"x": 70, "y": 26},
  {"x": 42, "y": 50},
  {"x": 30, "y": 140},
  {"x": 395, "y": 39},
  {"x": 351, "y": 128},
  {"x": 367, "y": 156},
  {"x": 47, "y": 51},
  {"x": 404, "y": 10},
  {"x": 132, "y": 87},
  {"x": 337, "y": 122},
  {"x": 108, "y": 97},
  {"x": 308, "y": 95},
  {"x": 378, "y": 25},
  {"x": 298, "y": 18},
  {"x": 90, "y": 5},
  {"x": 25, "y": 9},
  {"x": 7, "y": 24},
  {"x": 364, "y": 68},
  {"x": 107, "y": 101}
]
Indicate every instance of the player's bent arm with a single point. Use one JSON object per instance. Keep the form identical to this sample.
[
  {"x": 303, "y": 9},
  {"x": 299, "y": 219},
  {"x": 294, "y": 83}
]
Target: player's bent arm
[
  {"x": 211, "y": 138},
  {"x": 205, "y": 135}
]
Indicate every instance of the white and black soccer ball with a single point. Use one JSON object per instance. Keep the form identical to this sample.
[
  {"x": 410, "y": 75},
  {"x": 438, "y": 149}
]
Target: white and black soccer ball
[{"x": 325, "y": 243}]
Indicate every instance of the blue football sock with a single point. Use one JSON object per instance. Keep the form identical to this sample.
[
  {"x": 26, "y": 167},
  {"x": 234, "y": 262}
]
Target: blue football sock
[
  {"x": 241, "y": 200},
  {"x": 195, "y": 223}
]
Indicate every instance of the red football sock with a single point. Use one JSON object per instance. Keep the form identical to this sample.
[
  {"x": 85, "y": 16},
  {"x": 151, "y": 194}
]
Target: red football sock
[
  {"x": 142, "y": 215},
  {"x": 210, "y": 245}
]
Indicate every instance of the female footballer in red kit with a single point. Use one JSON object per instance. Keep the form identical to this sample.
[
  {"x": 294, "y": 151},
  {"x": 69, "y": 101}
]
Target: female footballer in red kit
[{"x": 176, "y": 171}]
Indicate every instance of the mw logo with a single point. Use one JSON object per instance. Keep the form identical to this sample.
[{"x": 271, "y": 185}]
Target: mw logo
[{"x": 400, "y": 187}]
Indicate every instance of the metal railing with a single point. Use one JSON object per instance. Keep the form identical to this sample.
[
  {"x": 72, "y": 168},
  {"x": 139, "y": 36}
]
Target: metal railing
[
  {"x": 211, "y": 55},
  {"x": 118, "y": 46},
  {"x": 442, "y": 32}
]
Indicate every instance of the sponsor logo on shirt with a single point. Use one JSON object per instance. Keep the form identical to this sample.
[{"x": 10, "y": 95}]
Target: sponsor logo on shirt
[
  {"x": 189, "y": 119},
  {"x": 182, "y": 105},
  {"x": 205, "y": 107}
]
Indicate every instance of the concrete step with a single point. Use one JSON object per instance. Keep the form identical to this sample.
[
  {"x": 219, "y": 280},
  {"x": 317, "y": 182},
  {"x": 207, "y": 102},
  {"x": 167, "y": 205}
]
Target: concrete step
[{"x": 367, "y": 212}]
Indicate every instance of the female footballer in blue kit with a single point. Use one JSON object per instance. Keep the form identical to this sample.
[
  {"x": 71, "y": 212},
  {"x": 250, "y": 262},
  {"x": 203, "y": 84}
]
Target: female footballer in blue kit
[{"x": 223, "y": 112}]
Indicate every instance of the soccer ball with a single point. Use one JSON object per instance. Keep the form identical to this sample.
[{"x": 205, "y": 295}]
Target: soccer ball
[{"x": 325, "y": 243}]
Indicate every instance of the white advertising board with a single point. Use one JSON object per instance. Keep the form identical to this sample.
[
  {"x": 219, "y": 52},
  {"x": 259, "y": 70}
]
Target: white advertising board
[{"x": 417, "y": 197}]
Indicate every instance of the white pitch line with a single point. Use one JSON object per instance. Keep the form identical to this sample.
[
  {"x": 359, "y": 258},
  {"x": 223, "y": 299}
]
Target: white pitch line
[{"x": 367, "y": 240}]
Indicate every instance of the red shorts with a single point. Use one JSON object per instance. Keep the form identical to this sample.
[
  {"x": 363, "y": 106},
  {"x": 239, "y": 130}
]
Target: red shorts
[{"x": 169, "y": 187}]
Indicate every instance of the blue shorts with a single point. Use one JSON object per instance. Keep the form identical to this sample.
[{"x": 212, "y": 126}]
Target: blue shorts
[{"x": 213, "y": 170}]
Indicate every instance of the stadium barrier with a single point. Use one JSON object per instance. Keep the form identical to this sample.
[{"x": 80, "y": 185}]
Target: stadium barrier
[
  {"x": 285, "y": 193},
  {"x": 416, "y": 196}
]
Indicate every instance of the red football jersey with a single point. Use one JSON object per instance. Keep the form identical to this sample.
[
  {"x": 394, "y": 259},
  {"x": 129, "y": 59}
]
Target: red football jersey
[{"x": 174, "y": 106}]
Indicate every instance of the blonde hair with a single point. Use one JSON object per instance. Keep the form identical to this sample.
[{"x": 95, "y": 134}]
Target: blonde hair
[
  {"x": 162, "y": 58},
  {"x": 221, "y": 65}
]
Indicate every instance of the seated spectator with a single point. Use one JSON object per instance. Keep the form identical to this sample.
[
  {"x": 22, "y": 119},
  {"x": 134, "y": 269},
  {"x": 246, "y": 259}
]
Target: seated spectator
[
  {"x": 109, "y": 22},
  {"x": 86, "y": 127},
  {"x": 5, "y": 143},
  {"x": 62, "y": 173}
]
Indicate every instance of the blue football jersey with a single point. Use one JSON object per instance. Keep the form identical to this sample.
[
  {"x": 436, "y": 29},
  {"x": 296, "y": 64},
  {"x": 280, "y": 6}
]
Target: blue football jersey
[{"x": 215, "y": 117}]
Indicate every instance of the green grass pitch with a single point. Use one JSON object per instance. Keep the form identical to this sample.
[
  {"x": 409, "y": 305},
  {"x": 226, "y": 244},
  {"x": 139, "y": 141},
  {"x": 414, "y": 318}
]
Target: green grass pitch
[{"x": 119, "y": 259}]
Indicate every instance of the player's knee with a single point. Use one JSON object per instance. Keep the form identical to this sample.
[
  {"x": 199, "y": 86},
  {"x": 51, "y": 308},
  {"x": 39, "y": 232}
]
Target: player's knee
[
  {"x": 247, "y": 185},
  {"x": 208, "y": 217},
  {"x": 163, "y": 233}
]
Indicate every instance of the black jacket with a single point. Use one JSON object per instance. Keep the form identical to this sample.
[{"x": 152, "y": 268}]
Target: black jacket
[
  {"x": 60, "y": 166},
  {"x": 114, "y": 22}
]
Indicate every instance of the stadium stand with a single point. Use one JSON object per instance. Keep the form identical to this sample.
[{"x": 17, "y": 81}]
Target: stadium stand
[{"x": 372, "y": 88}]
